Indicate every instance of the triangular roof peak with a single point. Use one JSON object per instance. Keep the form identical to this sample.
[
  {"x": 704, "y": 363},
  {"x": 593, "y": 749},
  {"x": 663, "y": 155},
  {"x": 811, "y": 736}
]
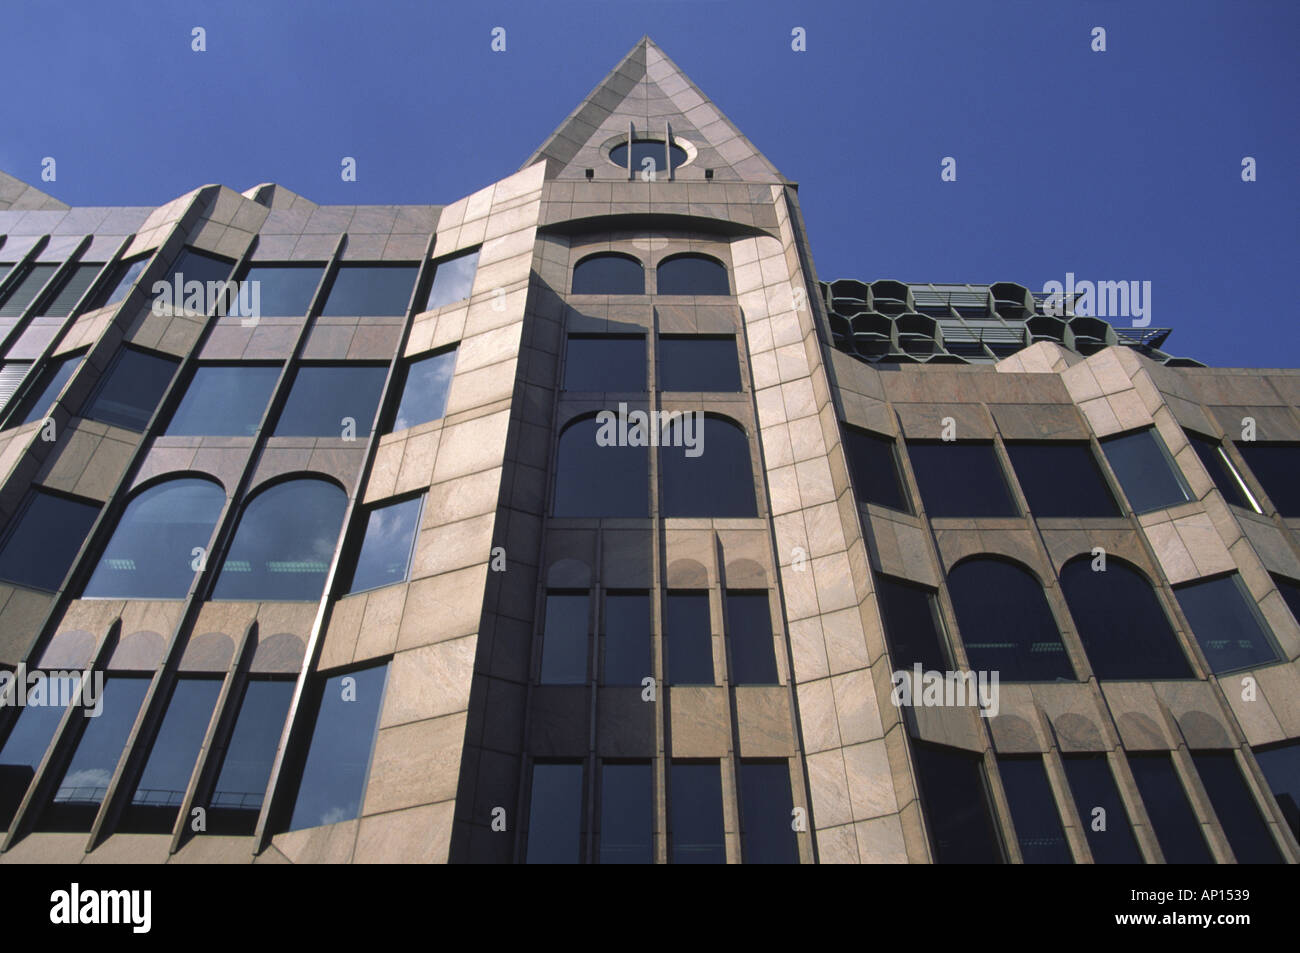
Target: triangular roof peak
[{"x": 650, "y": 92}]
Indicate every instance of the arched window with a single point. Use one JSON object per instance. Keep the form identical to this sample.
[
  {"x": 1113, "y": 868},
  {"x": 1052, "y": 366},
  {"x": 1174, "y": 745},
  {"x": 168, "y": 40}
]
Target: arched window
[
  {"x": 152, "y": 552},
  {"x": 1123, "y": 628},
  {"x": 608, "y": 273},
  {"x": 284, "y": 542},
  {"x": 692, "y": 275},
  {"x": 1005, "y": 622},
  {"x": 706, "y": 468},
  {"x": 599, "y": 472}
]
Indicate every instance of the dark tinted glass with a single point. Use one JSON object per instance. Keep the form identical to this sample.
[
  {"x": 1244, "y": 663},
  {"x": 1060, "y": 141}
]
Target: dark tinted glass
[
  {"x": 51, "y": 384},
  {"x": 344, "y": 716},
  {"x": 1033, "y": 811},
  {"x": 1275, "y": 466},
  {"x": 626, "y": 814},
  {"x": 284, "y": 543},
  {"x": 1101, "y": 812},
  {"x": 1226, "y": 624},
  {"x": 85, "y": 781},
  {"x": 1177, "y": 829},
  {"x": 152, "y": 552},
  {"x": 595, "y": 480},
  {"x": 161, "y": 788},
  {"x": 25, "y": 291},
  {"x": 1290, "y": 591},
  {"x": 873, "y": 466},
  {"x": 323, "y": 399},
  {"x": 42, "y": 540},
  {"x": 695, "y": 813},
  {"x": 191, "y": 266},
  {"x": 130, "y": 389},
  {"x": 282, "y": 290},
  {"x": 1236, "y": 808},
  {"x": 246, "y": 766},
  {"x": 1061, "y": 479},
  {"x": 555, "y": 815},
  {"x": 124, "y": 275},
  {"x": 689, "y": 639},
  {"x": 564, "y": 641},
  {"x": 1143, "y": 468},
  {"x": 453, "y": 279},
  {"x": 911, "y": 621},
  {"x": 960, "y": 479},
  {"x": 385, "y": 555},
  {"x": 605, "y": 363},
  {"x": 766, "y": 813},
  {"x": 370, "y": 291},
  {"x": 425, "y": 384},
  {"x": 718, "y": 481},
  {"x": 1221, "y": 471},
  {"x": 627, "y": 638},
  {"x": 698, "y": 362},
  {"x": 1005, "y": 622},
  {"x": 692, "y": 275},
  {"x": 74, "y": 285},
  {"x": 25, "y": 747},
  {"x": 643, "y": 149},
  {"x": 956, "y": 806},
  {"x": 608, "y": 275},
  {"x": 1281, "y": 766},
  {"x": 1120, "y": 622},
  {"x": 749, "y": 627},
  {"x": 224, "y": 401}
]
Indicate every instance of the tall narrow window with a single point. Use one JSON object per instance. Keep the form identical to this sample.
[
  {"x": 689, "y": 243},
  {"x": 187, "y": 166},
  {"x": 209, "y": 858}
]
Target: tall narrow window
[
  {"x": 371, "y": 290},
  {"x": 1145, "y": 470},
  {"x": 1102, "y": 817},
  {"x": 1281, "y": 766},
  {"x": 224, "y": 400},
  {"x": 1222, "y": 471},
  {"x": 237, "y": 795},
  {"x": 1275, "y": 466},
  {"x": 605, "y": 363},
  {"x": 766, "y": 813},
  {"x": 608, "y": 273},
  {"x": 596, "y": 478},
  {"x": 689, "y": 639},
  {"x": 626, "y": 813},
  {"x": 692, "y": 274},
  {"x": 332, "y": 401},
  {"x": 453, "y": 279},
  {"x": 555, "y": 814},
  {"x": 955, "y": 797},
  {"x": 960, "y": 479},
  {"x": 1176, "y": 826},
  {"x": 385, "y": 554},
  {"x": 627, "y": 638},
  {"x": 912, "y": 625},
  {"x": 1061, "y": 478},
  {"x": 130, "y": 389},
  {"x": 1237, "y": 810},
  {"x": 1226, "y": 623},
  {"x": 48, "y": 387},
  {"x": 706, "y": 467},
  {"x": 1033, "y": 811},
  {"x": 873, "y": 465},
  {"x": 695, "y": 813},
  {"x": 424, "y": 385},
  {"x": 564, "y": 641},
  {"x": 25, "y": 747},
  {"x": 698, "y": 362},
  {"x": 749, "y": 629},
  {"x": 43, "y": 538}
]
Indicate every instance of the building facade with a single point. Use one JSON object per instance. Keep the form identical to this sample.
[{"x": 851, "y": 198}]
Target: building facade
[{"x": 578, "y": 521}]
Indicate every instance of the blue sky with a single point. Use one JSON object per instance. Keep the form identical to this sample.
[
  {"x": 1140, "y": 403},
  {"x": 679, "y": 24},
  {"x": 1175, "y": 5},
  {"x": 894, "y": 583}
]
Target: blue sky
[{"x": 1122, "y": 165}]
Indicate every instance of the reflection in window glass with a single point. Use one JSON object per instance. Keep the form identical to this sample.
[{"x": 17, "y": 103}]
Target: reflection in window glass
[
  {"x": 956, "y": 804},
  {"x": 1275, "y": 466},
  {"x": 124, "y": 276},
  {"x": 718, "y": 481},
  {"x": 1221, "y": 471},
  {"x": 385, "y": 555},
  {"x": 596, "y": 481},
  {"x": 246, "y": 766},
  {"x": 162, "y": 785},
  {"x": 192, "y": 265},
  {"x": 284, "y": 543},
  {"x": 224, "y": 401},
  {"x": 283, "y": 291},
  {"x": 605, "y": 363},
  {"x": 344, "y": 715},
  {"x": 692, "y": 275},
  {"x": 1176, "y": 826},
  {"x": 960, "y": 479},
  {"x": 555, "y": 814},
  {"x": 912, "y": 626},
  {"x": 873, "y": 465},
  {"x": 1033, "y": 811},
  {"x": 766, "y": 811},
  {"x": 1124, "y": 630},
  {"x": 749, "y": 627},
  {"x": 51, "y": 384},
  {"x": 323, "y": 399},
  {"x": 688, "y": 638},
  {"x": 130, "y": 389},
  {"x": 25, "y": 747},
  {"x": 1281, "y": 766},
  {"x": 424, "y": 385},
  {"x": 564, "y": 640},
  {"x": 1224, "y": 620},
  {"x": 370, "y": 291},
  {"x": 43, "y": 538},
  {"x": 1061, "y": 478},
  {"x": 1236, "y": 808},
  {"x": 695, "y": 812},
  {"x": 453, "y": 279},
  {"x": 608, "y": 274},
  {"x": 1005, "y": 622},
  {"x": 152, "y": 552},
  {"x": 1093, "y": 788},
  {"x": 626, "y": 813},
  {"x": 1145, "y": 471},
  {"x": 627, "y": 638},
  {"x": 698, "y": 362}
]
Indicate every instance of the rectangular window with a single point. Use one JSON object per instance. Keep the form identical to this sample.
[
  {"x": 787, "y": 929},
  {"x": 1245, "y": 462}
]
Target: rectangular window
[
  {"x": 124, "y": 276},
  {"x": 960, "y": 479},
  {"x": 605, "y": 363},
  {"x": 385, "y": 554},
  {"x": 47, "y": 388},
  {"x": 1226, "y": 623},
  {"x": 766, "y": 813},
  {"x": 425, "y": 383},
  {"x": 873, "y": 465},
  {"x": 371, "y": 291},
  {"x": 1221, "y": 470},
  {"x": 23, "y": 750},
  {"x": 1145, "y": 470},
  {"x": 224, "y": 400},
  {"x": 161, "y": 788},
  {"x": 627, "y": 638},
  {"x": 42, "y": 540},
  {"x": 344, "y": 715},
  {"x": 81, "y": 277},
  {"x": 1176, "y": 826},
  {"x": 698, "y": 362},
  {"x": 688, "y": 638},
  {"x": 1033, "y": 811},
  {"x": 955, "y": 797},
  {"x": 695, "y": 813},
  {"x": 564, "y": 640},
  {"x": 1237, "y": 810},
  {"x": 627, "y": 816},
  {"x": 749, "y": 627},
  {"x": 453, "y": 279},
  {"x": 331, "y": 400},
  {"x": 913, "y": 631},
  {"x": 1061, "y": 478},
  {"x": 236, "y": 798},
  {"x": 130, "y": 389},
  {"x": 1102, "y": 817},
  {"x": 1290, "y": 592},
  {"x": 1275, "y": 466},
  {"x": 555, "y": 814},
  {"x": 1281, "y": 767},
  {"x": 24, "y": 292},
  {"x": 281, "y": 291}
]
